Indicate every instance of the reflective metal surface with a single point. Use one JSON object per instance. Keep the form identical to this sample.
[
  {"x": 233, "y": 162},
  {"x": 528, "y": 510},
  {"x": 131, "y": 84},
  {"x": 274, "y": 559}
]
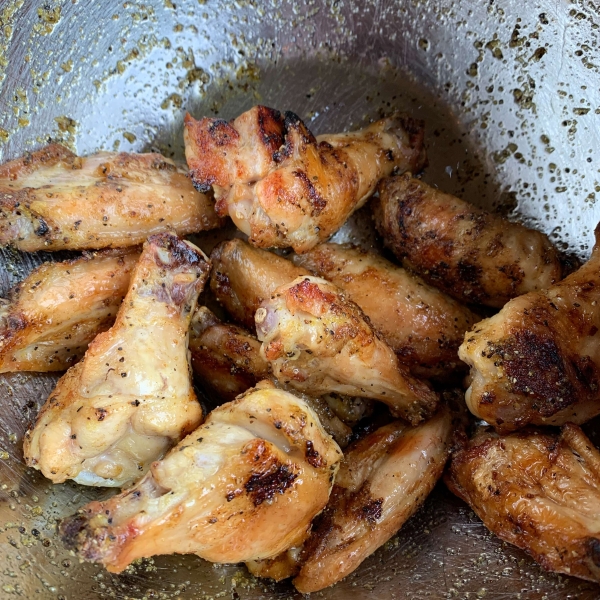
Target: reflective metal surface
[{"x": 510, "y": 93}]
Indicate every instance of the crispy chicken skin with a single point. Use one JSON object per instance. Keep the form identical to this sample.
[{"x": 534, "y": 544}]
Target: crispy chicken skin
[
  {"x": 284, "y": 187},
  {"x": 538, "y": 360},
  {"x": 537, "y": 490},
  {"x": 382, "y": 481},
  {"x": 243, "y": 486},
  {"x": 50, "y": 317},
  {"x": 470, "y": 254},
  {"x": 318, "y": 341},
  {"x": 243, "y": 276},
  {"x": 52, "y": 199},
  {"x": 225, "y": 358},
  {"x": 131, "y": 397},
  {"x": 227, "y": 361},
  {"x": 422, "y": 325}
]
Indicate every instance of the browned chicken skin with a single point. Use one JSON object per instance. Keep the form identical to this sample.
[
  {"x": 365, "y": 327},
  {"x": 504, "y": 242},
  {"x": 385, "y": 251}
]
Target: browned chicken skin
[
  {"x": 538, "y": 360},
  {"x": 539, "y": 491},
  {"x": 421, "y": 324},
  {"x": 52, "y": 199},
  {"x": 227, "y": 362},
  {"x": 470, "y": 254},
  {"x": 317, "y": 341},
  {"x": 383, "y": 479},
  {"x": 224, "y": 357},
  {"x": 243, "y": 486},
  {"x": 54, "y": 313},
  {"x": 243, "y": 276},
  {"x": 131, "y": 396},
  {"x": 284, "y": 187}
]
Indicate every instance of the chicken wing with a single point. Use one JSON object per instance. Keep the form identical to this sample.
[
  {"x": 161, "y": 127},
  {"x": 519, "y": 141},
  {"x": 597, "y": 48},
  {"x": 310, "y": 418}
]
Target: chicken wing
[
  {"x": 538, "y": 491},
  {"x": 131, "y": 396},
  {"x": 318, "y": 341},
  {"x": 421, "y": 324},
  {"x": 226, "y": 358},
  {"x": 243, "y": 276},
  {"x": 50, "y": 317},
  {"x": 284, "y": 187},
  {"x": 538, "y": 360},
  {"x": 54, "y": 200},
  {"x": 470, "y": 254},
  {"x": 227, "y": 361},
  {"x": 243, "y": 486},
  {"x": 382, "y": 481}
]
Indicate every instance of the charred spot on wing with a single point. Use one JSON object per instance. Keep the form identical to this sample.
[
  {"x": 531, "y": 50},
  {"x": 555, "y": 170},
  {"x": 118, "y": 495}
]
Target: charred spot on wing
[
  {"x": 262, "y": 487},
  {"x": 271, "y": 127},
  {"x": 317, "y": 202},
  {"x": 372, "y": 511},
  {"x": 313, "y": 457},
  {"x": 180, "y": 253},
  {"x": 295, "y": 131},
  {"x": 42, "y": 228},
  {"x": 594, "y": 550},
  {"x": 221, "y": 132}
]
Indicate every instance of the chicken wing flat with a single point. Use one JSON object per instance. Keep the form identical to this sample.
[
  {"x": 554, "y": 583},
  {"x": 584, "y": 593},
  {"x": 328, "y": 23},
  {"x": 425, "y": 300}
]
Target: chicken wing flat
[
  {"x": 538, "y": 360},
  {"x": 318, "y": 341},
  {"x": 284, "y": 187},
  {"x": 538, "y": 491},
  {"x": 382, "y": 481},
  {"x": 50, "y": 318},
  {"x": 243, "y": 486},
  {"x": 131, "y": 397},
  {"x": 470, "y": 254},
  {"x": 54, "y": 200},
  {"x": 422, "y": 325},
  {"x": 243, "y": 276}
]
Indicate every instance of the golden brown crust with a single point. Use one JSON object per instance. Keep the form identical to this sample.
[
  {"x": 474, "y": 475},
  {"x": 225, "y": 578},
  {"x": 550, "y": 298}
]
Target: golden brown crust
[
  {"x": 538, "y": 360},
  {"x": 53, "y": 200},
  {"x": 243, "y": 276},
  {"x": 470, "y": 254},
  {"x": 538, "y": 491},
  {"x": 51, "y": 316},
  {"x": 318, "y": 341},
  {"x": 421, "y": 324},
  {"x": 281, "y": 185}
]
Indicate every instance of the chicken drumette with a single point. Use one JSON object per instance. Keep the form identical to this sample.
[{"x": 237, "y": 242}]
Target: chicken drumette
[{"x": 131, "y": 396}]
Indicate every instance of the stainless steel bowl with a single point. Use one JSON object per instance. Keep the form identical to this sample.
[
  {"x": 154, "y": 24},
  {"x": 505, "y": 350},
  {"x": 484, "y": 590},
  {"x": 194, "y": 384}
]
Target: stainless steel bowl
[{"x": 510, "y": 94}]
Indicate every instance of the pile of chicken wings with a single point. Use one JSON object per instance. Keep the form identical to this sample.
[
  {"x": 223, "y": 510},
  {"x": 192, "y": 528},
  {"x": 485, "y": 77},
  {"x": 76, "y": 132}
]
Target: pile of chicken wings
[{"x": 340, "y": 378}]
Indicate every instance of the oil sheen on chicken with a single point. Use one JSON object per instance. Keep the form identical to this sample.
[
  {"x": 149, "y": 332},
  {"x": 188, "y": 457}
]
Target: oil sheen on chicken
[
  {"x": 49, "y": 319},
  {"x": 538, "y": 360},
  {"x": 245, "y": 485},
  {"x": 318, "y": 341},
  {"x": 284, "y": 187},
  {"x": 52, "y": 199},
  {"x": 383, "y": 480},
  {"x": 422, "y": 325},
  {"x": 470, "y": 254},
  {"x": 537, "y": 490},
  {"x": 131, "y": 397}
]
